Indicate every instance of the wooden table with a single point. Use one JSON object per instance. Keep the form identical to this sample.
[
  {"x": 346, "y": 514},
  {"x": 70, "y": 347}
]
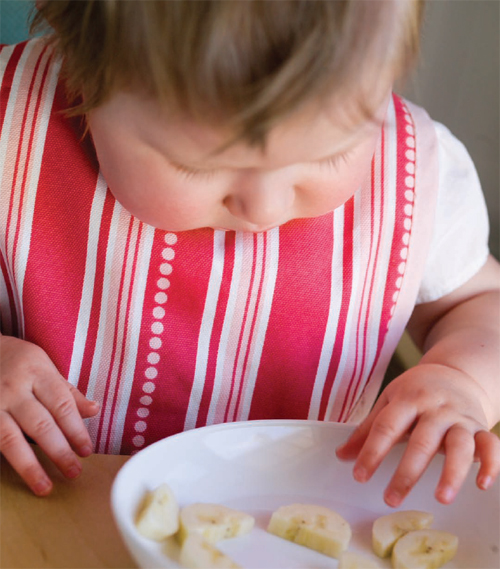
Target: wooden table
[{"x": 73, "y": 527}]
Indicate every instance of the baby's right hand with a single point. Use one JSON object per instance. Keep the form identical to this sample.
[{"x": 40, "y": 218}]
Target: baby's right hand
[{"x": 36, "y": 400}]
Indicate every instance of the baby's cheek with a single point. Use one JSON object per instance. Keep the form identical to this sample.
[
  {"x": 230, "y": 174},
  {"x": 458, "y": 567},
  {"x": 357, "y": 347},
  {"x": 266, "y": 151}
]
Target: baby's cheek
[{"x": 321, "y": 196}]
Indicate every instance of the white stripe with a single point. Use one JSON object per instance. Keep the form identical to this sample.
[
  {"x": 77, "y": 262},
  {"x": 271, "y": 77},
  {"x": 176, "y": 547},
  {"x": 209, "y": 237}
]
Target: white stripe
[
  {"x": 380, "y": 275},
  {"x": 206, "y": 330},
  {"x": 5, "y": 196},
  {"x": 103, "y": 315},
  {"x": 18, "y": 148},
  {"x": 7, "y": 52},
  {"x": 5, "y": 311},
  {"x": 226, "y": 328},
  {"x": 82, "y": 325},
  {"x": 405, "y": 302},
  {"x": 256, "y": 250},
  {"x": 361, "y": 253},
  {"x": 120, "y": 344},
  {"x": 37, "y": 149},
  {"x": 133, "y": 333},
  {"x": 9, "y": 111},
  {"x": 384, "y": 259},
  {"x": 389, "y": 205},
  {"x": 336, "y": 290},
  {"x": 350, "y": 330},
  {"x": 374, "y": 288},
  {"x": 266, "y": 300}
]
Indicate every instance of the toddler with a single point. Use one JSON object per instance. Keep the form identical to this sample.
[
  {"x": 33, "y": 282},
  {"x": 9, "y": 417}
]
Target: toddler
[{"x": 219, "y": 211}]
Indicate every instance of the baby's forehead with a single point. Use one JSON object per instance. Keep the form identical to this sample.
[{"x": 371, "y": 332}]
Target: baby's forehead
[
  {"x": 314, "y": 132},
  {"x": 347, "y": 106}
]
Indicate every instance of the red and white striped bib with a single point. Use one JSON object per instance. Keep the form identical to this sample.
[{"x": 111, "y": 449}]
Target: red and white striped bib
[{"x": 171, "y": 331}]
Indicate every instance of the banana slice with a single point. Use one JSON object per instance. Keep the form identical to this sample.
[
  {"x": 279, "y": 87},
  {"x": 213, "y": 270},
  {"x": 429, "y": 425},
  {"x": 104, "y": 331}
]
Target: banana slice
[
  {"x": 388, "y": 529},
  {"x": 213, "y": 522},
  {"x": 352, "y": 560},
  {"x": 316, "y": 527},
  {"x": 197, "y": 553},
  {"x": 158, "y": 516},
  {"x": 424, "y": 549}
]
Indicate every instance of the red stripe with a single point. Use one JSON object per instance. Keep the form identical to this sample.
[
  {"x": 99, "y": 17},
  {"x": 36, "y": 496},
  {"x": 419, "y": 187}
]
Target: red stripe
[
  {"x": 375, "y": 265},
  {"x": 297, "y": 321},
  {"x": 95, "y": 310},
  {"x": 28, "y": 158},
  {"x": 184, "y": 312},
  {"x": 344, "y": 310},
  {"x": 227, "y": 277},
  {"x": 254, "y": 320},
  {"x": 8, "y": 77},
  {"x": 117, "y": 329},
  {"x": 392, "y": 273},
  {"x": 352, "y": 398},
  {"x": 242, "y": 329},
  {"x": 26, "y": 164},
  {"x": 54, "y": 277}
]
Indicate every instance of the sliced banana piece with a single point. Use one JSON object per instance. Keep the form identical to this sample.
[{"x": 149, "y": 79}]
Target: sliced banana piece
[
  {"x": 312, "y": 526},
  {"x": 213, "y": 522},
  {"x": 158, "y": 516},
  {"x": 424, "y": 549},
  {"x": 198, "y": 553},
  {"x": 353, "y": 560},
  {"x": 388, "y": 529}
]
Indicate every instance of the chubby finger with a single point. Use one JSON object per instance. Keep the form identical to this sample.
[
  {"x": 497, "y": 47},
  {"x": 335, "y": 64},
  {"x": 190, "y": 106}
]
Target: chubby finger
[
  {"x": 17, "y": 451},
  {"x": 350, "y": 449},
  {"x": 488, "y": 452},
  {"x": 387, "y": 429},
  {"x": 459, "y": 455},
  {"x": 38, "y": 423},
  {"x": 86, "y": 407},
  {"x": 423, "y": 444},
  {"x": 60, "y": 401}
]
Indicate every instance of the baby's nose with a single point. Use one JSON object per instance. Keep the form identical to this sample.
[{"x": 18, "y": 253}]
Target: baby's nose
[{"x": 262, "y": 201}]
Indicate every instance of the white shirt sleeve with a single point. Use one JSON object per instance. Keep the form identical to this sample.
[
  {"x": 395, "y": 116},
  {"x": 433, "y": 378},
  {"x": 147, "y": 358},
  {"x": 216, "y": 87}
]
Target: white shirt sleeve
[{"x": 459, "y": 245}]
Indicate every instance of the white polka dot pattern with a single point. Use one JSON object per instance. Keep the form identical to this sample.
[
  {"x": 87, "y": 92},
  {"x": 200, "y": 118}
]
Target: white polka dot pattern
[
  {"x": 153, "y": 358},
  {"x": 148, "y": 387},
  {"x": 138, "y": 440},
  {"x": 155, "y": 342},
  {"x": 409, "y": 196},
  {"x": 165, "y": 268},
  {"x": 157, "y": 327}
]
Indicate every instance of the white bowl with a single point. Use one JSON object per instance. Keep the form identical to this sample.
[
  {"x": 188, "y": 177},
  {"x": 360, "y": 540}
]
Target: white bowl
[{"x": 257, "y": 466}]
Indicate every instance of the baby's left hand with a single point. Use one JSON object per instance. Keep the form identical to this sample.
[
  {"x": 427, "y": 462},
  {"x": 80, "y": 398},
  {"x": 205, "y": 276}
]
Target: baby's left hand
[{"x": 440, "y": 409}]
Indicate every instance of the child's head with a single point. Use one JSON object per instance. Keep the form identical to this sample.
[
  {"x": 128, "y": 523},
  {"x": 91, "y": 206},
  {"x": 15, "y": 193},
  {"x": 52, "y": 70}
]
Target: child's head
[
  {"x": 234, "y": 87},
  {"x": 249, "y": 62}
]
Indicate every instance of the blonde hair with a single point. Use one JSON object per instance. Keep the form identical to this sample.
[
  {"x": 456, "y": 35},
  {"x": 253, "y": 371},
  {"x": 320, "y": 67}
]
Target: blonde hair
[{"x": 249, "y": 62}]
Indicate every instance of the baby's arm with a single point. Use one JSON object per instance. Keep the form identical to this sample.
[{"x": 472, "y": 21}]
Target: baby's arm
[
  {"x": 37, "y": 401},
  {"x": 447, "y": 402}
]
